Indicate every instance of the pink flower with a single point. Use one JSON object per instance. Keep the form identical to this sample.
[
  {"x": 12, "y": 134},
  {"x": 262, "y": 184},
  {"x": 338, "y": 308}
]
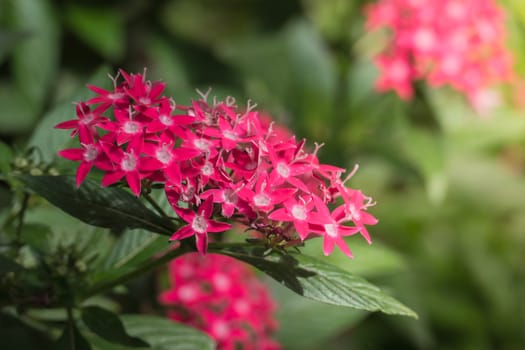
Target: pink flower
[
  {"x": 222, "y": 297},
  {"x": 86, "y": 122},
  {"x": 456, "y": 42},
  {"x": 207, "y": 153},
  {"x": 330, "y": 225},
  {"x": 126, "y": 164},
  {"x": 90, "y": 154},
  {"x": 300, "y": 212},
  {"x": 263, "y": 197},
  {"x": 199, "y": 225}
]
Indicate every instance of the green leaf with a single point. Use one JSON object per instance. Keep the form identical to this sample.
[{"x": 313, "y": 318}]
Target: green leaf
[
  {"x": 35, "y": 60},
  {"x": 161, "y": 334},
  {"x": 108, "y": 326},
  {"x": 295, "y": 334},
  {"x": 108, "y": 207},
  {"x": 316, "y": 280},
  {"x": 7, "y": 265},
  {"x": 79, "y": 342},
  {"x": 50, "y": 140},
  {"x": 134, "y": 246},
  {"x": 101, "y": 28}
]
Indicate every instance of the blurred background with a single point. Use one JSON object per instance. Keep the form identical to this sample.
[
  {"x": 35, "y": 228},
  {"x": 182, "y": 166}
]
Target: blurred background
[{"x": 449, "y": 182}]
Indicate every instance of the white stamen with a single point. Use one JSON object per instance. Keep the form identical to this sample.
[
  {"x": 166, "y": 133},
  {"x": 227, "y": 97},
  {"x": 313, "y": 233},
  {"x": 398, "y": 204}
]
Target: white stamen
[
  {"x": 115, "y": 96},
  {"x": 229, "y": 197},
  {"x": 202, "y": 144},
  {"x": 164, "y": 155},
  {"x": 166, "y": 120},
  {"x": 299, "y": 212},
  {"x": 145, "y": 100},
  {"x": 129, "y": 162},
  {"x": 261, "y": 200},
  {"x": 283, "y": 170},
  {"x": 88, "y": 118},
  {"x": 199, "y": 224},
  {"x": 207, "y": 169},
  {"x": 331, "y": 230},
  {"x": 90, "y": 153},
  {"x": 131, "y": 127},
  {"x": 230, "y": 135}
]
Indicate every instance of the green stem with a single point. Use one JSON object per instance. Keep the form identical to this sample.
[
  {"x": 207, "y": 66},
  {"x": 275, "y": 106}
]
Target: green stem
[
  {"x": 155, "y": 205},
  {"x": 137, "y": 271},
  {"x": 70, "y": 328}
]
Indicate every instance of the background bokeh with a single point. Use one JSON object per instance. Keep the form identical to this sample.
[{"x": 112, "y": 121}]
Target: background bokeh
[{"x": 449, "y": 182}]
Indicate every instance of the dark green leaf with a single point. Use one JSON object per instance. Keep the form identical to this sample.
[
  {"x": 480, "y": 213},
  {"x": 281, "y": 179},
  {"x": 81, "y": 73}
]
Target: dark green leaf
[
  {"x": 35, "y": 60},
  {"x": 299, "y": 335},
  {"x": 108, "y": 207},
  {"x": 161, "y": 334},
  {"x": 317, "y": 280},
  {"x": 108, "y": 326},
  {"x": 50, "y": 140},
  {"x": 78, "y": 343},
  {"x": 101, "y": 28},
  {"x": 7, "y": 265},
  {"x": 133, "y": 247}
]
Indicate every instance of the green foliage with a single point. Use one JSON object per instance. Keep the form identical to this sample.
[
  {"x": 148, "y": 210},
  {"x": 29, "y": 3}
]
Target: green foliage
[
  {"x": 104, "y": 207},
  {"x": 317, "y": 280},
  {"x": 161, "y": 334},
  {"x": 108, "y": 326},
  {"x": 101, "y": 28},
  {"x": 449, "y": 184}
]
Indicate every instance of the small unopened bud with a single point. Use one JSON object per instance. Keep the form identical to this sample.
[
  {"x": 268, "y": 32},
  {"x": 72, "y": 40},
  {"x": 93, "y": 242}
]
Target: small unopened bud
[
  {"x": 21, "y": 162},
  {"x": 36, "y": 172},
  {"x": 53, "y": 172}
]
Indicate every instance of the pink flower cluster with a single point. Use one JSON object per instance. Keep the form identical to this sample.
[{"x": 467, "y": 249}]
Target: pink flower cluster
[
  {"x": 222, "y": 297},
  {"x": 455, "y": 42},
  {"x": 215, "y": 161}
]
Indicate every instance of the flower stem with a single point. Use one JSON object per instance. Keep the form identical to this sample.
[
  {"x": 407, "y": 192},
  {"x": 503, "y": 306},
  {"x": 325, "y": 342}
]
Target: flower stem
[
  {"x": 154, "y": 204},
  {"x": 139, "y": 270}
]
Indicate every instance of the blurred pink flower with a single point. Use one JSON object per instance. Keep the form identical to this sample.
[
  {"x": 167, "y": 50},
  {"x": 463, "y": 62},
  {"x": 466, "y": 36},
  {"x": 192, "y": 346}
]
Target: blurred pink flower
[
  {"x": 222, "y": 297},
  {"x": 454, "y": 42}
]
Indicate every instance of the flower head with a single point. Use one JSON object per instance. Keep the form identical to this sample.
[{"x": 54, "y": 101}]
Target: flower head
[
  {"x": 222, "y": 297},
  {"x": 454, "y": 42},
  {"x": 211, "y": 154}
]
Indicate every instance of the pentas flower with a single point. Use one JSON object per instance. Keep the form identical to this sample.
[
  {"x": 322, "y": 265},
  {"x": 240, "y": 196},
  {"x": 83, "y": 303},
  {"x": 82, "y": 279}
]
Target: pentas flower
[
  {"x": 216, "y": 162},
  {"x": 455, "y": 42},
  {"x": 89, "y": 155},
  {"x": 199, "y": 224},
  {"x": 222, "y": 297}
]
